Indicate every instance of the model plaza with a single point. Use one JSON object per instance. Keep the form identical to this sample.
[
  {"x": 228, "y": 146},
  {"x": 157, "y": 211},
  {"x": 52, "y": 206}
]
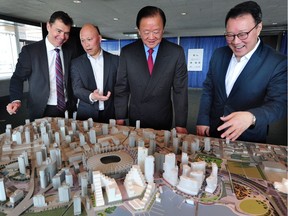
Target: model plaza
[{"x": 55, "y": 163}]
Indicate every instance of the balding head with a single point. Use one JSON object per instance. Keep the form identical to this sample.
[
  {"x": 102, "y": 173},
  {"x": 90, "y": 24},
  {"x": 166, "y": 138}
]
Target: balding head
[{"x": 90, "y": 39}]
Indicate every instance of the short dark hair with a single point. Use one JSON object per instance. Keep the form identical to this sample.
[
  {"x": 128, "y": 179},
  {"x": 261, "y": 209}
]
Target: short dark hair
[
  {"x": 248, "y": 7},
  {"x": 150, "y": 11},
  {"x": 66, "y": 19}
]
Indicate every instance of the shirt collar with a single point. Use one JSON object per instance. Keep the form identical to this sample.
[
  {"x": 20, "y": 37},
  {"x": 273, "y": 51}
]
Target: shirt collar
[
  {"x": 99, "y": 56},
  {"x": 249, "y": 54},
  {"x": 50, "y": 46},
  {"x": 155, "y": 48}
]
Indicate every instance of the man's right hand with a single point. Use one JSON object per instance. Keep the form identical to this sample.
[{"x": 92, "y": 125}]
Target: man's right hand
[
  {"x": 203, "y": 130},
  {"x": 13, "y": 107},
  {"x": 120, "y": 122}
]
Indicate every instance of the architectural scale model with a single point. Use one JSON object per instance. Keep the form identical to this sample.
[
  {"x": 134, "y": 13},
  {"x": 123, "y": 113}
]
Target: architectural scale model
[{"x": 67, "y": 167}]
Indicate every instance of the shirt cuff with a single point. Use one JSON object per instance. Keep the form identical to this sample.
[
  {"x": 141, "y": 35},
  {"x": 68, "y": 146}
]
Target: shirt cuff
[{"x": 91, "y": 100}]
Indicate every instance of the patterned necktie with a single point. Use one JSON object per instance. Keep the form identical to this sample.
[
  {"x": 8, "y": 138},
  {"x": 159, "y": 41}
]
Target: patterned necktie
[
  {"x": 61, "y": 105},
  {"x": 150, "y": 60}
]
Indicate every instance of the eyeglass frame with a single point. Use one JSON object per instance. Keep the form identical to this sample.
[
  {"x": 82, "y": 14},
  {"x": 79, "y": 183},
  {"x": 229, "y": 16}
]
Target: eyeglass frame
[{"x": 234, "y": 35}]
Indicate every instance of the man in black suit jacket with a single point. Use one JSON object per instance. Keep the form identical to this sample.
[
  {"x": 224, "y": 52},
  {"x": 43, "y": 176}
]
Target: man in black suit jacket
[
  {"x": 93, "y": 78},
  {"x": 150, "y": 93},
  {"x": 246, "y": 85},
  {"x": 36, "y": 64}
]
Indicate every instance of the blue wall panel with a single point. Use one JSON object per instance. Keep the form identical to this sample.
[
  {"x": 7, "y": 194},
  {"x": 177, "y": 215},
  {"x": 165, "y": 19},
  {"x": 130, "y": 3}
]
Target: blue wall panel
[
  {"x": 110, "y": 45},
  {"x": 209, "y": 44}
]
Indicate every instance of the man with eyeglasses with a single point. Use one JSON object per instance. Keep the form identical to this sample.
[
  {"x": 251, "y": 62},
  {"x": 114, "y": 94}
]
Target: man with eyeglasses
[
  {"x": 148, "y": 69},
  {"x": 246, "y": 86}
]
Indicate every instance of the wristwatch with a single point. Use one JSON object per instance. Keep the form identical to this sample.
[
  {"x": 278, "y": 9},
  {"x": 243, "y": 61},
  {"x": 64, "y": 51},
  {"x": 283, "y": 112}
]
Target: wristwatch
[{"x": 253, "y": 120}]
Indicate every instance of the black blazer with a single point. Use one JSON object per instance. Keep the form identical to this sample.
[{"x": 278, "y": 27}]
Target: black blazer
[
  {"x": 150, "y": 96},
  {"x": 84, "y": 83},
  {"x": 32, "y": 65}
]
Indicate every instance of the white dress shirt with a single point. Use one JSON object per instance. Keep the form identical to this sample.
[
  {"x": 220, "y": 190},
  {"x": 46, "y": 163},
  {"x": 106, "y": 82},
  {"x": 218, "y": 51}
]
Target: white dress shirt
[
  {"x": 51, "y": 54},
  {"x": 98, "y": 70},
  {"x": 235, "y": 68}
]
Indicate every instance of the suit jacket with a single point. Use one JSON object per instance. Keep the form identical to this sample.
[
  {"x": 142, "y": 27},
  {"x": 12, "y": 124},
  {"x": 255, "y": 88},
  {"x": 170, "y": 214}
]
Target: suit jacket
[
  {"x": 33, "y": 66},
  {"x": 261, "y": 89},
  {"x": 84, "y": 83},
  {"x": 150, "y": 96}
]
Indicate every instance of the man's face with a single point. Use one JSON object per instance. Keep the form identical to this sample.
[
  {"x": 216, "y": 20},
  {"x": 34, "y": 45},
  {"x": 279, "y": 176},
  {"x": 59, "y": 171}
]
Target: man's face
[
  {"x": 58, "y": 32},
  {"x": 243, "y": 23},
  {"x": 90, "y": 40},
  {"x": 151, "y": 30}
]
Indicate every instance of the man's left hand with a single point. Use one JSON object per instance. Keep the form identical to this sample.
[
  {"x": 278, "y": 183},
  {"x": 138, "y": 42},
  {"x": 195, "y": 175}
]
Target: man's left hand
[
  {"x": 181, "y": 130},
  {"x": 235, "y": 124}
]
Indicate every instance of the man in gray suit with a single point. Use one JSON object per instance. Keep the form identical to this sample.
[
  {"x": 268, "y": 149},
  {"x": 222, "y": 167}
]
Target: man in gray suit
[
  {"x": 149, "y": 90},
  {"x": 93, "y": 78},
  {"x": 246, "y": 86},
  {"x": 36, "y": 64}
]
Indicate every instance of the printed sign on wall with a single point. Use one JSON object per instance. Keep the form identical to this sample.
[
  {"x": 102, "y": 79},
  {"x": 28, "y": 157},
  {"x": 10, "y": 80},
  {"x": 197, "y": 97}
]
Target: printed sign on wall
[{"x": 195, "y": 59}]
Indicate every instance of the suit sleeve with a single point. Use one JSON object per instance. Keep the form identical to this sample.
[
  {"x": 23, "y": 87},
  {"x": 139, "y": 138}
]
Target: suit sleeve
[
  {"x": 274, "y": 106},
  {"x": 206, "y": 98},
  {"x": 78, "y": 86},
  {"x": 180, "y": 91},
  {"x": 22, "y": 72},
  {"x": 122, "y": 89}
]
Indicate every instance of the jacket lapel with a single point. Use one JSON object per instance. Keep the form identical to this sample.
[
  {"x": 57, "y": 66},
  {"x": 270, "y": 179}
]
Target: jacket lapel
[
  {"x": 87, "y": 67},
  {"x": 44, "y": 61},
  {"x": 159, "y": 66},
  {"x": 223, "y": 71},
  {"x": 106, "y": 69},
  {"x": 247, "y": 71}
]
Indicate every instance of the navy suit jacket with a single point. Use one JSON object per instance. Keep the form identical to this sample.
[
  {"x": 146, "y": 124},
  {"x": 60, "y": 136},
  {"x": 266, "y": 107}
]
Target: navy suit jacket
[
  {"x": 84, "y": 84},
  {"x": 261, "y": 89},
  {"x": 33, "y": 66},
  {"x": 150, "y": 96}
]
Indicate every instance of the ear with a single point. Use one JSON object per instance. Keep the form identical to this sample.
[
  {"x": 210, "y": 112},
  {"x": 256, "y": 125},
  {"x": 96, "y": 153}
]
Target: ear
[
  {"x": 259, "y": 28},
  {"x": 48, "y": 26}
]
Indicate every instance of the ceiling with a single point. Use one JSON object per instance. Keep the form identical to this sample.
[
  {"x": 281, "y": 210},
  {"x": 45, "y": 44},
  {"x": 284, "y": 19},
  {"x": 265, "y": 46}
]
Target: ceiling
[{"x": 203, "y": 17}]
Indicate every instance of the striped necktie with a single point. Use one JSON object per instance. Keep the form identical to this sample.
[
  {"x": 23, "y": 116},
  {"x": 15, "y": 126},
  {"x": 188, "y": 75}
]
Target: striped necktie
[{"x": 61, "y": 105}]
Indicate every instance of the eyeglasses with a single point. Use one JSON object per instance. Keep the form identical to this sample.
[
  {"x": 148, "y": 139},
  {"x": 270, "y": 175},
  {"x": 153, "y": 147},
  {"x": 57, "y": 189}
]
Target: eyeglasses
[{"x": 241, "y": 35}]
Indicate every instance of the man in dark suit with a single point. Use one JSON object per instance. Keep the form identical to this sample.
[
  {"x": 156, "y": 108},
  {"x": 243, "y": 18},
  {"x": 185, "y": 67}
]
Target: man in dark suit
[
  {"x": 36, "y": 64},
  {"x": 93, "y": 78},
  {"x": 246, "y": 85},
  {"x": 149, "y": 90}
]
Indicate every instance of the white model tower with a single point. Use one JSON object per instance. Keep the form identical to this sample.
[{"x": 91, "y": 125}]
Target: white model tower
[
  {"x": 39, "y": 200},
  {"x": 212, "y": 179},
  {"x": 21, "y": 162},
  {"x": 170, "y": 169},
  {"x": 16, "y": 136},
  {"x": 77, "y": 204},
  {"x": 184, "y": 158},
  {"x": 2, "y": 190},
  {"x": 142, "y": 154},
  {"x": 99, "y": 198},
  {"x": 149, "y": 168},
  {"x": 64, "y": 193},
  {"x": 134, "y": 182}
]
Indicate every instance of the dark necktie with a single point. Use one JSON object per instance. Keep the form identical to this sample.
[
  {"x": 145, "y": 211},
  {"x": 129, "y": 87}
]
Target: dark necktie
[
  {"x": 61, "y": 105},
  {"x": 150, "y": 60}
]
